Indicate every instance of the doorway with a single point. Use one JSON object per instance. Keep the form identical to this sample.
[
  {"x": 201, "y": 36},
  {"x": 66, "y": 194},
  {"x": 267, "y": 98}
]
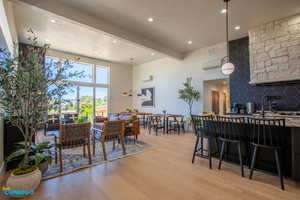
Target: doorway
[
  {"x": 215, "y": 101},
  {"x": 216, "y": 96}
]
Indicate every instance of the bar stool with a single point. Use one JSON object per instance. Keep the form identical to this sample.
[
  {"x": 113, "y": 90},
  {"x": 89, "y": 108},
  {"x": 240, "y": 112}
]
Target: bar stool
[
  {"x": 231, "y": 129},
  {"x": 205, "y": 128},
  {"x": 266, "y": 133}
]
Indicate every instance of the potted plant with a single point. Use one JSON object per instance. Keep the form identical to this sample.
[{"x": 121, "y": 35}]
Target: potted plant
[
  {"x": 128, "y": 110},
  {"x": 189, "y": 95},
  {"x": 39, "y": 156},
  {"x": 28, "y": 88}
]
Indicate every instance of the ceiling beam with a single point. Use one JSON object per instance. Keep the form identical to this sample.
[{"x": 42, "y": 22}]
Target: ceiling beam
[{"x": 84, "y": 18}]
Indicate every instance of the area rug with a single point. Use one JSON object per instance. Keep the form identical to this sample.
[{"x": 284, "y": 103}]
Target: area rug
[{"x": 73, "y": 159}]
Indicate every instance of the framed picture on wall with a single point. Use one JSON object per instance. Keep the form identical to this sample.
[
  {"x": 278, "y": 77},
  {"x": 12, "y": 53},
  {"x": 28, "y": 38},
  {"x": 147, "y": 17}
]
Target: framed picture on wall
[{"x": 148, "y": 97}]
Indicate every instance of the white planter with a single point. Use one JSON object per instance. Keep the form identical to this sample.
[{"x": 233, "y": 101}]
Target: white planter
[{"x": 29, "y": 181}]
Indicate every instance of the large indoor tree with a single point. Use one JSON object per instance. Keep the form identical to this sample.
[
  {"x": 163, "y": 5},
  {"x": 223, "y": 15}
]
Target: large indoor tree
[
  {"x": 189, "y": 95},
  {"x": 29, "y": 88}
]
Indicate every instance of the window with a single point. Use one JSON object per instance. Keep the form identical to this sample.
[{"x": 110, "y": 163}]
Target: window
[
  {"x": 89, "y": 95},
  {"x": 86, "y": 102},
  {"x": 101, "y": 102},
  {"x": 101, "y": 75},
  {"x": 69, "y": 101},
  {"x": 85, "y": 69},
  {"x": 52, "y": 63}
]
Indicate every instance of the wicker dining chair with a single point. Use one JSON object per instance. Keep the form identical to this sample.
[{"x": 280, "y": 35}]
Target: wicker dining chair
[
  {"x": 71, "y": 136},
  {"x": 112, "y": 131}
]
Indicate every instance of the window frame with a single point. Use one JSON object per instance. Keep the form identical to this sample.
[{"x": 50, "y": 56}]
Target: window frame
[{"x": 92, "y": 84}]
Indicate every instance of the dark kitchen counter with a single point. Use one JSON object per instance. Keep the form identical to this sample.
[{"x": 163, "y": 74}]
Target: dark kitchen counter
[{"x": 291, "y": 139}]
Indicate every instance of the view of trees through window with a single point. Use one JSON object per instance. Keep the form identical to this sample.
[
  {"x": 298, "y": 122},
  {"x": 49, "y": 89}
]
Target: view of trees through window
[{"x": 89, "y": 94}]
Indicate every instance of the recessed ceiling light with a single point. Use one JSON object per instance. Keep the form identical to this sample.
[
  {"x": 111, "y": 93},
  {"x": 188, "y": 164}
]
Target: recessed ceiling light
[
  {"x": 53, "y": 20},
  {"x": 152, "y": 54},
  {"x": 47, "y": 40},
  {"x": 223, "y": 11},
  {"x": 237, "y": 28},
  {"x": 114, "y": 41},
  {"x": 150, "y": 19},
  {"x": 190, "y": 42}
]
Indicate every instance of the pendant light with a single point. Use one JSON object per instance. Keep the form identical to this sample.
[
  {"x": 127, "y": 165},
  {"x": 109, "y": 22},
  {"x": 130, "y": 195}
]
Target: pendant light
[{"x": 227, "y": 66}]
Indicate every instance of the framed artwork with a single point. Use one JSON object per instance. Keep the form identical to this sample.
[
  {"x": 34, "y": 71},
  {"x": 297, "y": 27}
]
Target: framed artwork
[{"x": 148, "y": 97}]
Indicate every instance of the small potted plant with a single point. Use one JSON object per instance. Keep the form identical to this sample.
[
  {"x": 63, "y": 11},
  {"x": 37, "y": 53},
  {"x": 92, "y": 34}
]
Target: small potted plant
[{"x": 39, "y": 156}]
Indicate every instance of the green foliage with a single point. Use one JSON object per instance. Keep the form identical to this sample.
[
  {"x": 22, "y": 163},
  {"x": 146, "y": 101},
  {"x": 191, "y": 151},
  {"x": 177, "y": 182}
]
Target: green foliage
[
  {"x": 37, "y": 154},
  {"x": 189, "y": 95},
  {"x": 81, "y": 120},
  {"x": 28, "y": 88},
  {"x": 128, "y": 110}
]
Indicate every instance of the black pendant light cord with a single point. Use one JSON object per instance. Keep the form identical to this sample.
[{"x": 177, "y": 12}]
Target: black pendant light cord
[{"x": 227, "y": 21}]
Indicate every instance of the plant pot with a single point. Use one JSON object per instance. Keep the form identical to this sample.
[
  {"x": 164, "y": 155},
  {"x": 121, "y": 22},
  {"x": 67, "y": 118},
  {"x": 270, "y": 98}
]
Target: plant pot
[
  {"x": 28, "y": 181},
  {"x": 43, "y": 167}
]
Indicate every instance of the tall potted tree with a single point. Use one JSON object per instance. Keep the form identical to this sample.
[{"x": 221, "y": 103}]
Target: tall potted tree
[
  {"x": 28, "y": 88},
  {"x": 189, "y": 95}
]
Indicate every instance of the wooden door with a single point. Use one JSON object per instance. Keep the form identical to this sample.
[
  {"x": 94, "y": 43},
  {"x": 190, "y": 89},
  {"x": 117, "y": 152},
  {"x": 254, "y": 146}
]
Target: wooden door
[
  {"x": 224, "y": 103},
  {"x": 215, "y": 99}
]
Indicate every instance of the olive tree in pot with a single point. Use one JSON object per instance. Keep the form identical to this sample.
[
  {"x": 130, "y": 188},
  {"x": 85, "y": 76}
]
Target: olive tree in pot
[
  {"x": 28, "y": 88},
  {"x": 189, "y": 95}
]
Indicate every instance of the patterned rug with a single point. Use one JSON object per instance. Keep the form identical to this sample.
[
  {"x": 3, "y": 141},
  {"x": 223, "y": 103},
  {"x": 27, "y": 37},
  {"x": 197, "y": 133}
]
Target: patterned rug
[{"x": 73, "y": 158}]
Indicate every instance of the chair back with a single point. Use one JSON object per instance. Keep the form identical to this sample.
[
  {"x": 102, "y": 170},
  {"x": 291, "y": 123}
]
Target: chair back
[
  {"x": 70, "y": 118},
  {"x": 198, "y": 123},
  {"x": 113, "y": 129},
  {"x": 113, "y": 116},
  {"x": 231, "y": 128},
  {"x": 156, "y": 119},
  {"x": 267, "y": 132},
  {"x": 53, "y": 119},
  {"x": 72, "y": 135},
  {"x": 136, "y": 127}
]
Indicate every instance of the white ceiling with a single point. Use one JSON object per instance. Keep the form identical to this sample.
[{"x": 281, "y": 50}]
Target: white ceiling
[
  {"x": 175, "y": 22},
  {"x": 68, "y": 36}
]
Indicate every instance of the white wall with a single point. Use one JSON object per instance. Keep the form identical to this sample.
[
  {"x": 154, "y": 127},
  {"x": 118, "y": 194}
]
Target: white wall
[
  {"x": 120, "y": 79},
  {"x": 7, "y": 25},
  {"x": 169, "y": 74}
]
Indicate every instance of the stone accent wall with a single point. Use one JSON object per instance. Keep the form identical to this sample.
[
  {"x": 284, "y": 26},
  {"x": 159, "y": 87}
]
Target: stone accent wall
[{"x": 275, "y": 51}]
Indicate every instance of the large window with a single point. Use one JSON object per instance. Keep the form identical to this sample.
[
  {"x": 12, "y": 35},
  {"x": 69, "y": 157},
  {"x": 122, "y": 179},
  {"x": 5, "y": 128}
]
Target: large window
[{"x": 89, "y": 94}]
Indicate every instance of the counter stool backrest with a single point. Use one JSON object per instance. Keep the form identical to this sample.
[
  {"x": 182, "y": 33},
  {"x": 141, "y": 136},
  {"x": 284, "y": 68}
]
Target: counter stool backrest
[
  {"x": 231, "y": 128},
  {"x": 267, "y": 132},
  {"x": 198, "y": 122}
]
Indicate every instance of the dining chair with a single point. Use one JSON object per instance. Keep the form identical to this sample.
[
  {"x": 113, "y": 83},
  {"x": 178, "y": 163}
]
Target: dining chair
[
  {"x": 232, "y": 131},
  {"x": 268, "y": 134},
  {"x": 156, "y": 123},
  {"x": 112, "y": 131},
  {"x": 175, "y": 123},
  {"x": 71, "y": 136},
  {"x": 132, "y": 129}
]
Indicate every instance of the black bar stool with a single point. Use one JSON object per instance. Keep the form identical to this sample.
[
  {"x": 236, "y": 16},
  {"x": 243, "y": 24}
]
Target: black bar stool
[
  {"x": 204, "y": 127},
  {"x": 267, "y": 133},
  {"x": 231, "y": 129}
]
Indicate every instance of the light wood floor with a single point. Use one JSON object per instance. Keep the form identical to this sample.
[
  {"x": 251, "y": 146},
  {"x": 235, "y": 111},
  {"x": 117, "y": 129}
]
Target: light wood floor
[{"x": 164, "y": 172}]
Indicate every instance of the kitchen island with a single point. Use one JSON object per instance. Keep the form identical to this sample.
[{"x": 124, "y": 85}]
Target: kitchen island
[{"x": 291, "y": 155}]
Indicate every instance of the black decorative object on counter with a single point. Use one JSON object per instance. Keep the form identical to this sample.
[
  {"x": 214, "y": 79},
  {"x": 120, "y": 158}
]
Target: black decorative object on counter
[{"x": 242, "y": 92}]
